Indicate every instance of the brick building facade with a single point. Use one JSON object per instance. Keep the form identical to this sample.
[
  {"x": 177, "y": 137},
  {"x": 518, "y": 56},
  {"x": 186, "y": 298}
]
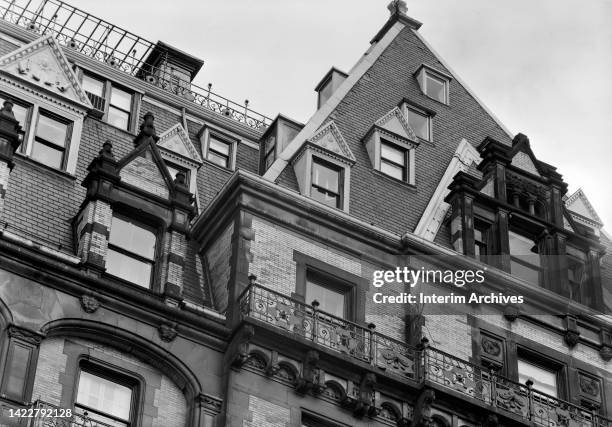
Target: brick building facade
[{"x": 171, "y": 258}]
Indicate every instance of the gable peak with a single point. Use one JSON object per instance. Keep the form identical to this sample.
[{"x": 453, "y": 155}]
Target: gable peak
[
  {"x": 42, "y": 63},
  {"x": 177, "y": 140},
  {"x": 395, "y": 122},
  {"x": 330, "y": 138}
]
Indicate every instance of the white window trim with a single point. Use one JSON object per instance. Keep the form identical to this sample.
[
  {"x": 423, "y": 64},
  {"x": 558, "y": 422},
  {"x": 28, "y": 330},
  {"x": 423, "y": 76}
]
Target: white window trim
[
  {"x": 406, "y": 106},
  {"x": 232, "y": 140},
  {"x": 373, "y": 145},
  {"x": 303, "y": 170},
  {"x": 421, "y": 75},
  {"x": 75, "y": 116}
]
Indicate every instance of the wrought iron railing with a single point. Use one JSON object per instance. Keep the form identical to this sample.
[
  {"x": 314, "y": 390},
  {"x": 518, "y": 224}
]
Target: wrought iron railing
[
  {"x": 121, "y": 49},
  {"x": 43, "y": 414},
  {"x": 424, "y": 364}
]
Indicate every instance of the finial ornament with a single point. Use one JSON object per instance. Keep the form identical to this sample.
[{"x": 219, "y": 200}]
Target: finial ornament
[{"x": 397, "y": 7}]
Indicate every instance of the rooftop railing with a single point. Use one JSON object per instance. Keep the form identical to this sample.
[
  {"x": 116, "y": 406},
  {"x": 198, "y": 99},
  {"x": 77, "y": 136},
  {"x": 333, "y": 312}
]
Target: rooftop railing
[
  {"x": 121, "y": 49},
  {"x": 363, "y": 344}
]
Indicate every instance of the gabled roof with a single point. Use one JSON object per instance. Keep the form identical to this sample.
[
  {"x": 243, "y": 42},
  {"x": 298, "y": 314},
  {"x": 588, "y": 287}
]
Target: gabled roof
[
  {"x": 177, "y": 140},
  {"x": 42, "y": 63},
  {"x": 330, "y": 138},
  {"x": 395, "y": 123},
  {"x": 522, "y": 156},
  {"x": 581, "y": 209}
]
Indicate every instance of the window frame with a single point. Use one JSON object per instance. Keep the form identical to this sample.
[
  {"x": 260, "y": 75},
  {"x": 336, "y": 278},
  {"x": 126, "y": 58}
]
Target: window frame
[
  {"x": 35, "y": 108},
  {"x": 405, "y": 167},
  {"x": 545, "y": 363},
  {"x": 354, "y": 286},
  {"x": 426, "y": 72},
  {"x": 232, "y": 142},
  {"x": 334, "y": 167},
  {"x": 108, "y": 86},
  {"x": 147, "y": 225},
  {"x": 315, "y": 420},
  {"x": 428, "y": 117},
  {"x": 36, "y": 139},
  {"x": 513, "y": 257},
  {"x": 17, "y": 336},
  {"x": 113, "y": 374}
]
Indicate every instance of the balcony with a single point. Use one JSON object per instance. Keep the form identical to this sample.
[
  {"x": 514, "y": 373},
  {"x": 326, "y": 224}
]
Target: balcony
[
  {"x": 425, "y": 366},
  {"x": 100, "y": 40}
]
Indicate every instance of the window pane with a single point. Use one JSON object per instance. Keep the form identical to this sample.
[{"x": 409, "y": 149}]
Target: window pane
[
  {"x": 219, "y": 146},
  {"x": 393, "y": 154},
  {"x": 16, "y": 371},
  {"x": 118, "y": 118},
  {"x": 47, "y": 155},
  {"x": 331, "y": 301},
  {"x": 104, "y": 395},
  {"x": 521, "y": 267},
  {"x": 128, "y": 268},
  {"x": 419, "y": 123},
  {"x": 436, "y": 88},
  {"x": 322, "y": 196},
  {"x": 93, "y": 86},
  {"x": 121, "y": 99},
  {"x": 325, "y": 177},
  {"x": 544, "y": 380},
  {"x": 218, "y": 159},
  {"x": 132, "y": 238},
  {"x": 395, "y": 171},
  {"x": 51, "y": 130}
]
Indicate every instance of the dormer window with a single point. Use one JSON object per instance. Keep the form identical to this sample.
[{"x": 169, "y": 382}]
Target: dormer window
[
  {"x": 51, "y": 140},
  {"x": 420, "y": 122},
  {"x": 434, "y": 83},
  {"x": 323, "y": 167},
  {"x": 326, "y": 183},
  {"x": 393, "y": 160},
  {"x": 391, "y": 146},
  {"x": 219, "y": 151}
]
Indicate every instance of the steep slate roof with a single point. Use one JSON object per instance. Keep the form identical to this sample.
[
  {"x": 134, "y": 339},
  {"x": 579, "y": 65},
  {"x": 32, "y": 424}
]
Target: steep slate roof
[{"x": 378, "y": 83}]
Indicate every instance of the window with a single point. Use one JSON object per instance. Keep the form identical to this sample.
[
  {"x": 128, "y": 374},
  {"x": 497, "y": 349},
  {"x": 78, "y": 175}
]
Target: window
[
  {"x": 219, "y": 151},
  {"x": 326, "y": 183},
  {"x": 20, "y": 366},
  {"x": 118, "y": 111},
  {"x": 481, "y": 240},
  {"x": 419, "y": 121},
  {"x": 50, "y": 140},
  {"x": 576, "y": 273},
  {"x": 544, "y": 379},
  {"x": 105, "y": 397},
  {"x": 131, "y": 251},
  {"x": 393, "y": 160},
  {"x": 45, "y": 136},
  {"x": 332, "y": 296},
  {"x": 435, "y": 88},
  {"x": 524, "y": 259},
  {"x": 270, "y": 151},
  {"x": 434, "y": 83}
]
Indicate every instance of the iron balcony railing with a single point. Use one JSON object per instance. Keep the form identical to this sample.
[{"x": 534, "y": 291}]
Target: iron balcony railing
[
  {"x": 428, "y": 364},
  {"x": 121, "y": 49}
]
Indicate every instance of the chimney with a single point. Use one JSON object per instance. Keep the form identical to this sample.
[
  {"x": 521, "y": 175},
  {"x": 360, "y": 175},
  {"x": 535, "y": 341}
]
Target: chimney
[{"x": 328, "y": 85}]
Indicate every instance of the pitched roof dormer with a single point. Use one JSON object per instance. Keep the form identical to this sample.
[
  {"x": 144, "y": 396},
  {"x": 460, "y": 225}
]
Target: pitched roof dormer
[
  {"x": 175, "y": 141},
  {"x": 42, "y": 65},
  {"x": 582, "y": 212}
]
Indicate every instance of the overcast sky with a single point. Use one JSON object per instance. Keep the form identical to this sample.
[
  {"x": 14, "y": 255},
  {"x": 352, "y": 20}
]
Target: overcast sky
[{"x": 542, "y": 66}]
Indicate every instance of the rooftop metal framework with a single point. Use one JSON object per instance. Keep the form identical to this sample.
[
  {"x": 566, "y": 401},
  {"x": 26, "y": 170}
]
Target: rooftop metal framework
[{"x": 121, "y": 49}]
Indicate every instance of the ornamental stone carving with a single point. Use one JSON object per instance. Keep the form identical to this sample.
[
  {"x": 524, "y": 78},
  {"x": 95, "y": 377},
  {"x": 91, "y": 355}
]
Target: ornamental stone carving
[
  {"x": 167, "y": 332},
  {"x": 89, "y": 304}
]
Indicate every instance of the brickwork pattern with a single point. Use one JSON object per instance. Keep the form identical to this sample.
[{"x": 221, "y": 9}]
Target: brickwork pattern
[
  {"x": 273, "y": 263},
  {"x": 267, "y": 414},
  {"x": 51, "y": 365},
  {"x": 93, "y": 242},
  {"x": 143, "y": 172},
  {"x": 549, "y": 339},
  {"x": 218, "y": 258},
  {"x": 171, "y": 405},
  {"x": 178, "y": 247},
  {"x": 377, "y": 199}
]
